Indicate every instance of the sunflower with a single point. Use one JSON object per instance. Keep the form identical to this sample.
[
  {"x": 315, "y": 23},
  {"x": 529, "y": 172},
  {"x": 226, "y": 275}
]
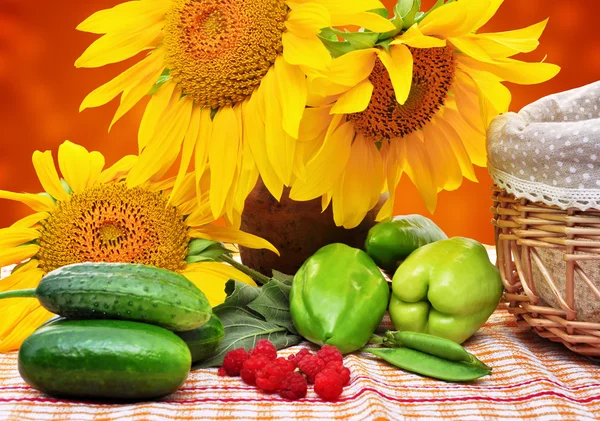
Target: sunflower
[
  {"x": 418, "y": 101},
  {"x": 226, "y": 82},
  {"x": 91, "y": 215}
]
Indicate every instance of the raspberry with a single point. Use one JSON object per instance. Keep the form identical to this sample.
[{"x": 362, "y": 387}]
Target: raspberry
[
  {"x": 330, "y": 353},
  {"x": 266, "y": 348},
  {"x": 285, "y": 365},
  {"x": 251, "y": 366},
  {"x": 293, "y": 387},
  {"x": 295, "y": 358},
  {"x": 311, "y": 365},
  {"x": 328, "y": 385},
  {"x": 270, "y": 377},
  {"x": 234, "y": 360},
  {"x": 339, "y": 368},
  {"x": 221, "y": 372}
]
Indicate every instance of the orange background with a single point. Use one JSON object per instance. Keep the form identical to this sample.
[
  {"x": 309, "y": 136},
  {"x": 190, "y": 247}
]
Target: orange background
[{"x": 40, "y": 93}]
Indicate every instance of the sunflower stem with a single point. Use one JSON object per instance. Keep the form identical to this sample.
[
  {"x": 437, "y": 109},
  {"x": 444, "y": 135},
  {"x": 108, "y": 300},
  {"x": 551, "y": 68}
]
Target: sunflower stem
[
  {"x": 22, "y": 293},
  {"x": 257, "y": 276}
]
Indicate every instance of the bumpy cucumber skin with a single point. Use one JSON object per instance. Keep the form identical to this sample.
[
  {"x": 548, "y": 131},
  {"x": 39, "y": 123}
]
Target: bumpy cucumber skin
[
  {"x": 124, "y": 291},
  {"x": 204, "y": 341},
  {"x": 104, "y": 359}
]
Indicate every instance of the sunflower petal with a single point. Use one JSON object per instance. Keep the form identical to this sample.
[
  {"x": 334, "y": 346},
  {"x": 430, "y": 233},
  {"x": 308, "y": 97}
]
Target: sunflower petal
[
  {"x": 30, "y": 220},
  {"x": 353, "y": 67},
  {"x": 470, "y": 47},
  {"x": 154, "y": 111},
  {"x": 15, "y": 330},
  {"x": 514, "y": 71},
  {"x": 118, "y": 170},
  {"x": 458, "y": 148},
  {"x": 328, "y": 164},
  {"x": 211, "y": 278},
  {"x": 116, "y": 47},
  {"x": 12, "y": 255},
  {"x": 187, "y": 150},
  {"x": 202, "y": 144},
  {"x": 291, "y": 84},
  {"x": 399, "y": 64},
  {"x": 413, "y": 37},
  {"x": 124, "y": 16},
  {"x": 36, "y": 202},
  {"x": 368, "y": 20},
  {"x": 223, "y": 153},
  {"x": 393, "y": 168},
  {"x": 307, "y": 19},
  {"x": 355, "y": 100},
  {"x": 305, "y": 51},
  {"x": 12, "y": 236},
  {"x": 473, "y": 140},
  {"x": 447, "y": 175},
  {"x": 28, "y": 276},
  {"x": 46, "y": 172},
  {"x": 466, "y": 95},
  {"x": 508, "y": 43},
  {"x": 80, "y": 168},
  {"x": 232, "y": 235},
  {"x": 445, "y": 21},
  {"x": 420, "y": 169}
]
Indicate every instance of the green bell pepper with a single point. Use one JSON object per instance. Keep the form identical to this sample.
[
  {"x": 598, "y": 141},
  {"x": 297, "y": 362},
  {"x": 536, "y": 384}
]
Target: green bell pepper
[
  {"x": 448, "y": 288},
  {"x": 338, "y": 297},
  {"x": 392, "y": 240}
]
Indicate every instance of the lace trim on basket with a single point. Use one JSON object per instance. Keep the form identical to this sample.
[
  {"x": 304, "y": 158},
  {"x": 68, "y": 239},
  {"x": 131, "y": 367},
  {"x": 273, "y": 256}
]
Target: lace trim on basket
[{"x": 582, "y": 199}]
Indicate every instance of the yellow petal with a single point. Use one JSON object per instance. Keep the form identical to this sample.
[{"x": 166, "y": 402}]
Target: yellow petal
[
  {"x": 80, "y": 168},
  {"x": 202, "y": 144},
  {"x": 12, "y": 236},
  {"x": 36, "y": 202},
  {"x": 254, "y": 133},
  {"x": 165, "y": 145},
  {"x": 31, "y": 220},
  {"x": 353, "y": 197},
  {"x": 223, "y": 154},
  {"x": 368, "y": 20},
  {"x": 508, "y": 43},
  {"x": 484, "y": 16},
  {"x": 142, "y": 70},
  {"x": 248, "y": 174},
  {"x": 291, "y": 84},
  {"x": 231, "y": 235},
  {"x": 399, "y": 64},
  {"x": 211, "y": 278},
  {"x": 281, "y": 148},
  {"x": 189, "y": 144},
  {"x": 445, "y": 21},
  {"x": 30, "y": 316},
  {"x": 315, "y": 122},
  {"x": 118, "y": 170},
  {"x": 13, "y": 255},
  {"x": 124, "y": 17},
  {"x": 307, "y": 19},
  {"x": 458, "y": 148},
  {"x": 46, "y": 172},
  {"x": 355, "y": 100},
  {"x": 305, "y": 51},
  {"x": 352, "y": 68},
  {"x": 390, "y": 153},
  {"x": 152, "y": 115},
  {"x": 413, "y": 37},
  {"x": 28, "y": 276},
  {"x": 514, "y": 71},
  {"x": 420, "y": 169},
  {"x": 116, "y": 47},
  {"x": 471, "y": 48},
  {"x": 467, "y": 100},
  {"x": 328, "y": 164},
  {"x": 447, "y": 175},
  {"x": 473, "y": 140}
]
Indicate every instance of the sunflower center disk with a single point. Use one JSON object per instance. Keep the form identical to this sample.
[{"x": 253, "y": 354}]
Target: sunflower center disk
[
  {"x": 218, "y": 51},
  {"x": 111, "y": 223},
  {"x": 385, "y": 118}
]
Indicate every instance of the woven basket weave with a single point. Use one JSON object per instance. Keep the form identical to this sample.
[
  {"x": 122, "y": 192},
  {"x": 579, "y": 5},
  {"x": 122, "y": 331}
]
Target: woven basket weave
[{"x": 549, "y": 260}]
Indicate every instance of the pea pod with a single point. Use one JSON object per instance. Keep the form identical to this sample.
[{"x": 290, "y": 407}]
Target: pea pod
[
  {"x": 431, "y": 365},
  {"x": 433, "y": 345}
]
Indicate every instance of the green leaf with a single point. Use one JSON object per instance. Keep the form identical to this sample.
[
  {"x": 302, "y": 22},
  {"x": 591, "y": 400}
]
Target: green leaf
[
  {"x": 381, "y": 12},
  {"x": 403, "y": 7},
  {"x": 244, "y": 330},
  {"x": 282, "y": 277},
  {"x": 202, "y": 250},
  {"x": 336, "y": 48},
  {"x": 162, "y": 79},
  {"x": 410, "y": 17},
  {"x": 385, "y": 44},
  {"x": 239, "y": 295},
  {"x": 359, "y": 40},
  {"x": 273, "y": 303}
]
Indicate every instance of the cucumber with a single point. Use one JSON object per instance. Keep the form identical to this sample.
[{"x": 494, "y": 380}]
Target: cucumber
[
  {"x": 104, "y": 359},
  {"x": 204, "y": 341},
  {"x": 122, "y": 291}
]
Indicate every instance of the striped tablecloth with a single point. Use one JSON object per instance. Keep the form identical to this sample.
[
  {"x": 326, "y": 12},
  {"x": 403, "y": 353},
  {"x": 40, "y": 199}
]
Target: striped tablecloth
[{"x": 532, "y": 379}]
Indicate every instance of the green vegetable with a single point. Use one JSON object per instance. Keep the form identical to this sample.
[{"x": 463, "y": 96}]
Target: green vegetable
[
  {"x": 391, "y": 241},
  {"x": 430, "y": 365},
  {"x": 448, "y": 288},
  {"x": 250, "y": 313},
  {"x": 121, "y": 291},
  {"x": 204, "y": 340},
  {"x": 338, "y": 297},
  {"x": 104, "y": 359}
]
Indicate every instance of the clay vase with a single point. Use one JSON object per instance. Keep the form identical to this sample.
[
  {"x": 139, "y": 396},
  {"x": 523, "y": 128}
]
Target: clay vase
[{"x": 297, "y": 229}]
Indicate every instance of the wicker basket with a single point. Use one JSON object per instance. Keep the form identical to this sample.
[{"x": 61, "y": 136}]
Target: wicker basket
[{"x": 549, "y": 260}]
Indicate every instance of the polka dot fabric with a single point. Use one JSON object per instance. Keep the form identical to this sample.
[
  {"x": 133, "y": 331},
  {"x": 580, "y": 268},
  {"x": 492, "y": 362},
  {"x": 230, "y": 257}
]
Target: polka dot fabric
[{"x": 549, "y": 152}]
